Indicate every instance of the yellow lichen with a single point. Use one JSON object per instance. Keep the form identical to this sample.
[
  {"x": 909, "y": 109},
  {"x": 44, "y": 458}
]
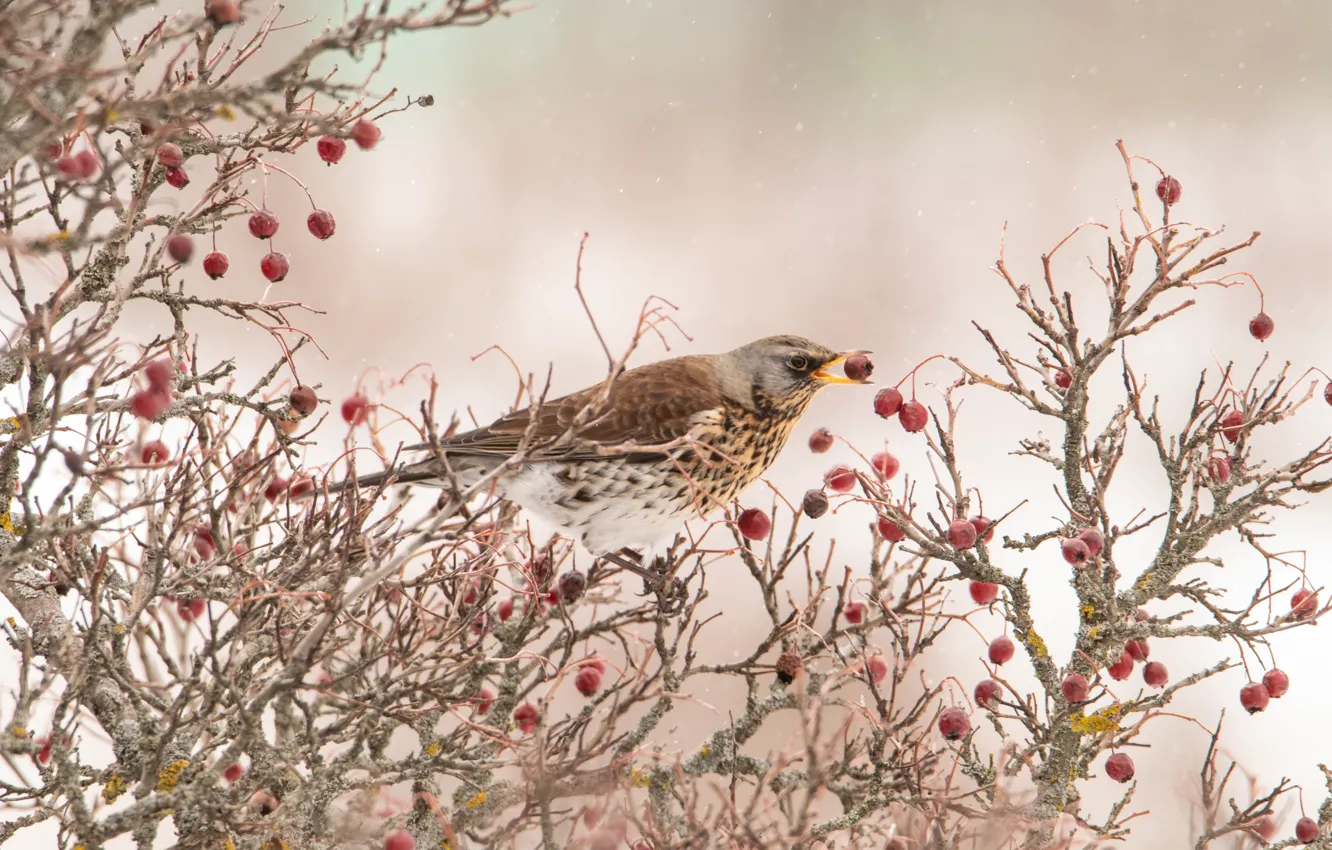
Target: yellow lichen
[
  {"x": 118, "y": 628},
  {"x": 706, "y": 751},
  {"x": 476, "y": 800},
  {"x": 115, "y": 786},
  {"x": 433, "y": 749},
  {"x": 640, "y": 779},
  {"x": 1088, "y": 611},
  {"x": 1099, "y": 723},
  {"x": 170, "y": 775},
  {"x": 18, "y": 731},
  {"x": 444, "y": 844},
  {"x": 228, "y": 844},
  {"x": 6, "y": 523},
  {"x": 1093, "y": 632},
  {"x": 1142, "y": 582},
  {"x": 225, "y": 113},
  {"x": 1036, "y": 644}
]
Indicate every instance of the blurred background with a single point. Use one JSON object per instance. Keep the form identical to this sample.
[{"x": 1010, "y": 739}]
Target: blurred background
[{"x": 843, "y": 171}]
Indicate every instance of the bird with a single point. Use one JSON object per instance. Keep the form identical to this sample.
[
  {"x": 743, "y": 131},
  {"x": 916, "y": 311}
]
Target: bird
[{"x": 623, "y": 467}]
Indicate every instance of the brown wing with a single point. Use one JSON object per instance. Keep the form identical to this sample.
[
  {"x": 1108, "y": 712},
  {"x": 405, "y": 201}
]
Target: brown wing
[{"x": 651, "y": 404}]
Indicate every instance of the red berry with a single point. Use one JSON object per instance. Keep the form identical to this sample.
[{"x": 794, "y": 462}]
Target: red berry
[
  {"x": 961, "y": 534},
  {"x": 331, "y": 149},
  {"x": 954, "y": 723},
  {"x": 1062, "y": 379},
  {"x": 877, "y": 668},
  {"x": 525, "y": 716},
  {"x": 591, "y": 815},
  {"x": 1154, "y": 674},
  {"x": 43, "y": 750},
  {"x": 189, "y": 609},
  {"x": 571, "y": 586},
  {"x": 840, "y": 479},
  {"x": 204, "y": 545},
  {"x": 216, "y": 264},
  {"x": 1001, "y": 650},
  {"x": 505, "y": 608},
  {"x": 815, "y": 504},
  {"x": 485, "y": 699},
  {"x": 888, "y": 401},
  {"x": 983, "y": 592},
  {"x": 1303, "y": 603},
  {"x": 1265, "y": 827},
  {"x": 1327, "y": 393},
  {"x": 890, "y": 531},
  {"x": 1094, "y": 539},
  {"x": 1231, "y": 425},
  {"x": 263, "y": 224},
  {"x": 180, "y": 248},
  {"x": 300, "y": 486},
  {"x": 355, "y": 409},
  {"x": 1306, "y": 830},
  {"x": 822, "y": 440},
  {"x": 1138, "y": 649},
  {"x": 150, "y": 403},
  {"x": 399, "y": 839},
  {"x": 1261, "y": 326},
  {"x": 365, "y": 134},
  {"x": 984, "y": 527},
  {"x": 1169, "y": 190},
  {"x": 154, "y": 453},
  {"x": 588, "y": 681},
  {"x": 885, "y": 465},
  {"x": 233, "y": 772},
  {"x": 69, "y": 166},
  {"x": 754, "y": 524},
  {"x": 858, "y": 367},
  {"x": 854, "y": 612},
  {"x": 321, "y": 223},
  {"x": 274, "y": 266},
  {"x": 169, "y": 155},
  {"x": 53, "y": 150},
  {"x": 158, "y": 374},
  {"x": 276, "y": 489},
  {"x": 222, "y": 12},
  {"x": 1074, "y": 687},
  {"x": 1277, "y": 683},
  {"x": 1119, "y": 767},
  {"x": 1254, "y": 697},
  {"x": 303, "y": 400},
  {"x": 176, "y": 178},
  {"x": 1218, "y": 467},
  {"x": 1075, "y": 551},
  {"x": 1121, "y": 669},
  {"x": 913, "y": 416},
  {"x": 987, "y": 690},
  {"x": 595, "y": 662}
]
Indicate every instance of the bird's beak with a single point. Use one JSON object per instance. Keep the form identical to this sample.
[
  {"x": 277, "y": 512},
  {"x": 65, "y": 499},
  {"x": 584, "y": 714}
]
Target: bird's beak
[{"x": 823, "y": 373}]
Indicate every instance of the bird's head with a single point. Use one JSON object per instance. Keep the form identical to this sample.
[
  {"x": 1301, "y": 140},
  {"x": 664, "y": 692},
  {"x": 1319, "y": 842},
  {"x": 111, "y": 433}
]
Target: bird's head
[{"x": 790, "y": 369}]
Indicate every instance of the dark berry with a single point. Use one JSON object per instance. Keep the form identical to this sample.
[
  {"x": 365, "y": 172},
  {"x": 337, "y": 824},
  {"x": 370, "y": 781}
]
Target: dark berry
[
  {"x": 355, "y": 409},
  {"x": 154, "y": 452},
  {"x": 983, "y": 592},
  {"x": 890, "y": 531},
  {"x": 1254, "y": 697},
  {"x": 1261, "y": 326},
  {"x": 176, "y": 178},
  {"x": 1075, "y": 551},
  {"x": 1327, "y": 393},
  {"x": 525, "y": 716},
  {"x": 571, "y": 586},
  {"x": 1001, "y": 650},
  {"x": 588, "y": 681},
  {"x": 1154, "y": 673},
  {"x": 180, "y": 248},
  {"x": 913, "y": 416},
  {"x": 840, "y": 479},
  {"x": 788, "y": 665},
  {"x": 815, "y": 504},
  {"x": 331, "y": 149},
  {"x": 365, "y": 134},
  {"x": 854, "y": 612},
  {"x": 1074, "y": 688},
  {"x": 888, "y": 401},
  {"x": 263, "y": 224},
  {"x": 961, "y": 534},
  {"x": 987, "y": 690},
  {"x": 274, "y": 266},
  {"x": 1277, "y": 683},
  {"x": 1062, "y": 379},
  {"x": 216, "y": 264},
  {"x": 754, "y": 524},
  {"x": 885, "y": 465},
  {"x": 303, "y": 400},
  {"x": 1119, "y": 767},
  {"x": 1231, "y": 425},
  {"x": 822, "y": 440},
  {"x": 1094, "y": 540},
  {"x": 321, "y": 223},
  {"x": 1121, "y": 669},
  {"x": 954, "y": 723},
  {"x": 1303, "y": 603},
  {"x": 1169, "y": 190},
  {"x": 984, "y": 528},
  {"x": 170, "y": 156},
  {"x": 858, "y": 367}
]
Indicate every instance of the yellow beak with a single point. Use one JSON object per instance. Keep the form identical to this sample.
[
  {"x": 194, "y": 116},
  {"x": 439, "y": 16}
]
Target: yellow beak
[{"x": 826, "y": 376}]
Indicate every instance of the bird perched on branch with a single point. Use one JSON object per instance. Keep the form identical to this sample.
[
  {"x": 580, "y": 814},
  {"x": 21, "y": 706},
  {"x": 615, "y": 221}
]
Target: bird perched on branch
[{"x": 623, "y": 466}]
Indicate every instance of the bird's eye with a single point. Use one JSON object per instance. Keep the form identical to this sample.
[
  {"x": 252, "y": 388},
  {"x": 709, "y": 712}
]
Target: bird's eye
[{"x": 798, "y": 362}]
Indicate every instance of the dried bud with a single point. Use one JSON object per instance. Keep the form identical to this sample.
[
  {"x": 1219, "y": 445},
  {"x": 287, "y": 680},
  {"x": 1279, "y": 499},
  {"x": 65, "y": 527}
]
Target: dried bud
[{"x": 788, "y": 665}]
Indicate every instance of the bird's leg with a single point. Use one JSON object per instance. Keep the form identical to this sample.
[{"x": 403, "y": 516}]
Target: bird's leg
[
  {"x": 628, "y": 559},
  {"x": 656, "y": 578}
]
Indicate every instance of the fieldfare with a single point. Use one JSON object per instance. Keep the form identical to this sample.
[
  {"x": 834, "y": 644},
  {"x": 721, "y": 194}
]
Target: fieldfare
[{"x": 668, "y": 441}]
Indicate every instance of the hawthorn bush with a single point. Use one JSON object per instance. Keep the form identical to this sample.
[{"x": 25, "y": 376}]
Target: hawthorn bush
[{"x": 205, "y": 662}]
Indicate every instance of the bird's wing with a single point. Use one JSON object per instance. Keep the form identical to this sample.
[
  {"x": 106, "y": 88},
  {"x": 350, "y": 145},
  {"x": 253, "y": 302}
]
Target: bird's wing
[{"x": 650, "y": 405}]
